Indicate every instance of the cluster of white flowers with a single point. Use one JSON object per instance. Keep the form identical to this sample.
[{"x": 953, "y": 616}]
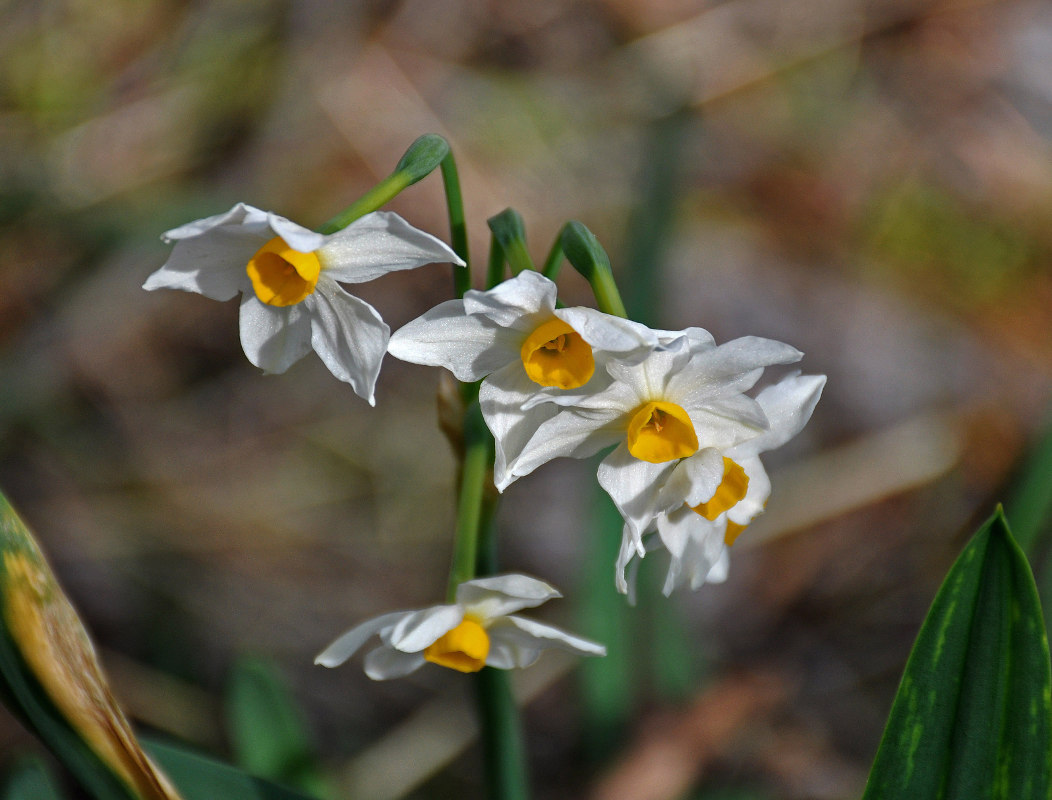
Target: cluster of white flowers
[
  {"x": 573, "y": 381},
  {"x": 684, "y": 472}
]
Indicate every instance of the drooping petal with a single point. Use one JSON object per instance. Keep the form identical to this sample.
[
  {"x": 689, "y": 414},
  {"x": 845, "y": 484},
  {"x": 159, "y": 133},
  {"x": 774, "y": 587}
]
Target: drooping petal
[
  {"x": 274, "y": 338},
  {"x": 515, "y": 302},
  {"x": 631, "y": 546},
  {"x": 210, "y": 254},
  {"x": 379, "y": 243},
  {"x": 509, "y": 418},
  {"x": 525, "y": 638},
  {"x": 633, "y": 485},
  {"x": 347, "y": 644},
  {"x": 384, "y": 663},
  {"x": 418, "y": 629},
  {"x": 349, "y": 337},
  {"x": 568, "y": 433},
  {"x": 495, "y": 596},
  {"x": 695, "y": 545},
  {"x": 471, "y": 347}
]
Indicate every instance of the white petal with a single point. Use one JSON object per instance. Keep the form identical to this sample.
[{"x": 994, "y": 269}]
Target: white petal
[
  {"x": 273, "y": 338},
  {"x": 633, "y": 485},
  {"x": 693, "y": 481},
  {"x": 649, "y": 379},
  {"x": 788, "y": 406},
  {"x": 502, "y": 397},
  {"x": 568, "y": 433},
  {"x": 752, "y": 505},
  {"x": 514, "y": 302},
  {"x": 697, "y": 338},
  {"x": 349, "y": 336},
  {"x": 296, "y": 236},
  {"x": 471, "y": 347},
  {"x": 695, "y": 545},
  {"x": 385, "y": 663},
  {"x": 379, "y": 243},
  {"x": 631, "y": 546},
  {"x": 730, "y": 368},
  {"x": 210, "y": 255},
  {"x": 492, "y": 597},
  {"x": 242, "y": 216},
  {"x": 345, "y": 646},
  {"x": 629, "y": 340},
  {"x": 524, "y": 638},
  {"x": 417, "y": 630}
]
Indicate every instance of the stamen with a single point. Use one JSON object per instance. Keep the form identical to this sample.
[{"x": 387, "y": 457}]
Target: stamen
[
  {"x": 556, "y": 355},
  {"x": 660, "y": 431},
  {"x": 282, "y": 276},
  {"x": 731, "y": 490},
  {"x": 464, "y": 648}
]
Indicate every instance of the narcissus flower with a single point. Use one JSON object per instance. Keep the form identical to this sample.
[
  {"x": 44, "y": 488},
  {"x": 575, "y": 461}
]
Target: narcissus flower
[
  {"x": 685, "y": 397},
  {"x": 708, "y": 499},
  {"x": 478, "y": 630},
  {"x": 287, "y": 276},
  {"x": 513, "y": 336}
]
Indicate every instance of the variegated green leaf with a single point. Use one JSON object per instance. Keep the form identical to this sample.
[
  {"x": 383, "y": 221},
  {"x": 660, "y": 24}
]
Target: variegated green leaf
[{"x": 971, "y": 718}]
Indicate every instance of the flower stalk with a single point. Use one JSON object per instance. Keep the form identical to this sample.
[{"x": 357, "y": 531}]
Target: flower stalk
[{"x": 420, "y": 160}]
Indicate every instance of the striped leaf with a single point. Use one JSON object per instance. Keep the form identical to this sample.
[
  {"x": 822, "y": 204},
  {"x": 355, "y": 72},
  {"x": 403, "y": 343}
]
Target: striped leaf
[{"x": 972, "y": 715}]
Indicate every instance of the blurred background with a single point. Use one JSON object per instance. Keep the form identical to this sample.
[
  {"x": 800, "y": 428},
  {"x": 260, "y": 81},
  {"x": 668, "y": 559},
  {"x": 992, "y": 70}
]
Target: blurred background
[{"x": 869, "y": 180}]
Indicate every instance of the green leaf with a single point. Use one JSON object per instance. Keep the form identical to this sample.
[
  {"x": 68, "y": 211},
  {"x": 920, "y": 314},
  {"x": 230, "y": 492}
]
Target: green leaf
[
  {"x": 50, "y": 678},
  {"x": 202, "y": 778},
  {"x": 267, "y": 729},
  {"x": 30, "y": 779},
  {"x": 971, "y": 718}
]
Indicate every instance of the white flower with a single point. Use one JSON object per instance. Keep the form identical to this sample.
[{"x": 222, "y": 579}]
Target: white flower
[
  {"x": 478, "y": 630},
  {"x": 513, "y": 336},
  {"x": 287, "y": 277},
  {"x": 708, "y": 499},
  {"x": 685, "y": 397}
]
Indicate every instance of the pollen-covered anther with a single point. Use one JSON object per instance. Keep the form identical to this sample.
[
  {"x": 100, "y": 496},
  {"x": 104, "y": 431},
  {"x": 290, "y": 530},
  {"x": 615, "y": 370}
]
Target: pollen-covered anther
[
  {"x": 282, "y": 276},
  {"x": 556, "y": 355},
  {"x": 660, "y": 431},
  {"x": 731, "y": 490},
  {"x": 464, "y": 648}
]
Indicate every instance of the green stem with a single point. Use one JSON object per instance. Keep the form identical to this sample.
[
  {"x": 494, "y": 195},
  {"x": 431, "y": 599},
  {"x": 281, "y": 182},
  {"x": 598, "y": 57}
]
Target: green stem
[
  {"x": 553, "y": 263},
  {"x": 458, "y": 229},
  {"x": 474, "y": 474},
  {"x": 379, "y": 195},
  {"x": 421, "y": 159},
  {"x": 495, "y": 267},
  {"x": 607, "y": 297},
  {"x": 502, "y": 747}
]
